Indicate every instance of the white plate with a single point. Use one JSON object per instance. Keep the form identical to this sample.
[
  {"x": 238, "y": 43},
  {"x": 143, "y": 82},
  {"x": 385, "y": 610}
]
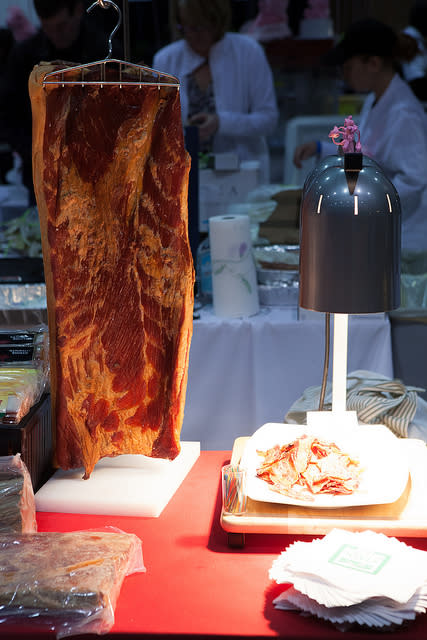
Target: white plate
[{"x": 384, "y": 465}]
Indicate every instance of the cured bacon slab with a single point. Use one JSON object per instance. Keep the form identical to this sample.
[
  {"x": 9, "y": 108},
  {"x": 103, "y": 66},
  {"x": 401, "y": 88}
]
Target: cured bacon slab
[{"x": 111, "y": 176}]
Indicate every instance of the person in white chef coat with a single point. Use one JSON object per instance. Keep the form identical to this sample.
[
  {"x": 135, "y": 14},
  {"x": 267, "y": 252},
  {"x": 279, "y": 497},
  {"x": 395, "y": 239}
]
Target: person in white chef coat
[
  {"x": 415, "y": 70},
  {"x": 392, "y": 122},
  {"x": 227, "y": 88}
]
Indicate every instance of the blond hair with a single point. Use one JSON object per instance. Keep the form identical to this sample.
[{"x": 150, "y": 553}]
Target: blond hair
[{"x": 213, "y": 13}]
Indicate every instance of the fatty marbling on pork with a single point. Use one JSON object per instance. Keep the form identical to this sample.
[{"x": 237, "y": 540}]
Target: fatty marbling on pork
[{"x": 111, "y": 176}]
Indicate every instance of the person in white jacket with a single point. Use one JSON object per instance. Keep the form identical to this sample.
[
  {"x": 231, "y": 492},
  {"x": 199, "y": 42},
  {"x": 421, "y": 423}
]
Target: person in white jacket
[
  {"x": 392, "y": 123},
  {"x": 227, "y": 88},
  {"x": 415, "y": 70}
]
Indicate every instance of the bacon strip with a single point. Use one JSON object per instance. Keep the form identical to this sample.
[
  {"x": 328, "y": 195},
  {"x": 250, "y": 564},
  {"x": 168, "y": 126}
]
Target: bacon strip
[{"x": 307, "y": 467}]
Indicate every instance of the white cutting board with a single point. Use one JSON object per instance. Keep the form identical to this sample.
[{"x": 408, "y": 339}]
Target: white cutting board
[{"x": 128, "y": 485}]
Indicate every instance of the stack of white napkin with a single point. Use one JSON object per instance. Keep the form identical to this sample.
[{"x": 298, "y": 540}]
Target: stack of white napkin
[{"x": 345, "y": 577}]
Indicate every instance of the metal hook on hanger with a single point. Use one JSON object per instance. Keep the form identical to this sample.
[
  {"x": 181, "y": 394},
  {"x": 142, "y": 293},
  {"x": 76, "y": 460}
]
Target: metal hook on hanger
[
  {"x": 119, "y": 72},
  {"x": 106, "y": 4}
]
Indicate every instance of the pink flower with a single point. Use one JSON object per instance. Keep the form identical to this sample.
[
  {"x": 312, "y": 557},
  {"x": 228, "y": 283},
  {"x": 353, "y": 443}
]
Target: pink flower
[
  {"x": 334, "y": 133},
  {"x": 317, "y": 9},
  {"x": 242, "y": 249},
  {"x": 349, "y": 134}
]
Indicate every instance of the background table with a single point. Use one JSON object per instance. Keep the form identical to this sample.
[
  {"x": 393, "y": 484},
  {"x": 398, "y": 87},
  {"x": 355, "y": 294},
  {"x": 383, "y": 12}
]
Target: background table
[
  {"x": 195, "y": 585},
  {"x": 246, "y": 372}
]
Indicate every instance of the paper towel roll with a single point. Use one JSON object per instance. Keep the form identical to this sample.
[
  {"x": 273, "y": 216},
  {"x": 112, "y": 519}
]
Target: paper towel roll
[{"x": 234, "y": 283}]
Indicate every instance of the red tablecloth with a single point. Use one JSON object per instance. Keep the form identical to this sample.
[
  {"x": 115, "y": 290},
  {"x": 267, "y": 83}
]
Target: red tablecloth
[{"x": 195, "y": 585}]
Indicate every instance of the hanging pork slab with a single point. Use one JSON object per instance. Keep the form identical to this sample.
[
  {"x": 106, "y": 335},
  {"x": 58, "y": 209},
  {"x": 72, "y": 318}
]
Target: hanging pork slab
[{"x": 111, "y": 176}]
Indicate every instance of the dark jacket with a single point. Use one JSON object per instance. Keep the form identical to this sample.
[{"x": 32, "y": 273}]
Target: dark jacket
[{"x": 15, "y": 106}]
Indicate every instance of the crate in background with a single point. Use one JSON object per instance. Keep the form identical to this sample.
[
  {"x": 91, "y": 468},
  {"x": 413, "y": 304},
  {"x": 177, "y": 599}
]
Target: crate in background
[
  {"x": 282, "y": 227},
  {"x": 32, "y": 438},
  {"x": 21, "y": 270}
]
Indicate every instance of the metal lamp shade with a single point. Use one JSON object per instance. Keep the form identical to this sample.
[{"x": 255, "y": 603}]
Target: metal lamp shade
[
  {"x": 350, "y": 227},
  {"x": 333, "y": 161}
]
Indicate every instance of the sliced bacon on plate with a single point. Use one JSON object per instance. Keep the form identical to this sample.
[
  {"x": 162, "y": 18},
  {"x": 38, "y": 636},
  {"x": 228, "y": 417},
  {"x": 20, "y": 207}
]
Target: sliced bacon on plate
[{"x": 307, "y": 467}]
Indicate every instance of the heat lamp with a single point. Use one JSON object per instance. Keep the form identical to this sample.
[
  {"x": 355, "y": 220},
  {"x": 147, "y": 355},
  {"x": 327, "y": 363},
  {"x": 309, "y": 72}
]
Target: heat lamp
[{"x": 350, "y": 228}]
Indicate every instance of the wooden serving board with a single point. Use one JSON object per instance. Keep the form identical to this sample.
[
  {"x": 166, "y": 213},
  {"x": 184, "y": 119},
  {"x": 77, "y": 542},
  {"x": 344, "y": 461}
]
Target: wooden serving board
[{"x": 405, "y": 517}]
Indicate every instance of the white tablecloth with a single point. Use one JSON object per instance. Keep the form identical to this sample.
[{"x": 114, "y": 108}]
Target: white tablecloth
[{"x": 246, "y": 372}]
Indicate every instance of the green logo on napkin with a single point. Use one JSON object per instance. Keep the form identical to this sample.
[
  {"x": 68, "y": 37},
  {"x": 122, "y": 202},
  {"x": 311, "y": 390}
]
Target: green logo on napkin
[{"x": 359, "y": 559}]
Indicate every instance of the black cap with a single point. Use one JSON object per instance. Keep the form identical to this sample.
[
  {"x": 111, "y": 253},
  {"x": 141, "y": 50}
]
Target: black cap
[{"x": 364, "y": 37}]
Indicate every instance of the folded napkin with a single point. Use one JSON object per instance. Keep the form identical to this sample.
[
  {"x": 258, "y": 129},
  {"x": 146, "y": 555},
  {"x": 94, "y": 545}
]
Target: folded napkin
[
  {"x": 345, "y": 577},
  {"x": 376, "y": 399},
  {"x": 376, "y": 612},
  {"x": 389, "y": 403}
]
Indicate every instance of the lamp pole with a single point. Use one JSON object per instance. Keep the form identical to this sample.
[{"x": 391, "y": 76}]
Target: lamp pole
[{"x": 339, "y": 366}]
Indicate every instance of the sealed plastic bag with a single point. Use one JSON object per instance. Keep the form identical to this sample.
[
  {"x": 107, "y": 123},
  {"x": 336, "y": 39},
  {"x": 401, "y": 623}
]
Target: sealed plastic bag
[
  {"x": 65, "y": 582},
  {"x": 24, "y": 370},
  {"x": 17, "y": 504},
  {"x": 21, "y": 387},
  {"x": 28, "y": 345}
]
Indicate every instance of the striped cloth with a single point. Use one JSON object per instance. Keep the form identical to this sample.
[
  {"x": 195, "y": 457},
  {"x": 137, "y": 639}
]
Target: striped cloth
[{"x": 375, "y": 398}]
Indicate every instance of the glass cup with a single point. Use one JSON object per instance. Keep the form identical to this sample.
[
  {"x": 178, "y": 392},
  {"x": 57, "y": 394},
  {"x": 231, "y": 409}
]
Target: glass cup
[{"x": 233, "y": 489}]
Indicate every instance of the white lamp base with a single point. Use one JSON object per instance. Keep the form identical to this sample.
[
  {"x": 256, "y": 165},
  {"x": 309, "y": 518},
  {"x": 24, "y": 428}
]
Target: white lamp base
[
  {"x": 336, "y": 419},
  {"x": 339, "y": 417}
]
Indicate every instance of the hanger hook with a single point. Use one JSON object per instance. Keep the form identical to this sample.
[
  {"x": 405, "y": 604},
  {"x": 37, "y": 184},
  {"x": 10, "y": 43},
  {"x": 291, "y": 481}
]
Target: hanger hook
[{"x": 106, "y": 4}]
